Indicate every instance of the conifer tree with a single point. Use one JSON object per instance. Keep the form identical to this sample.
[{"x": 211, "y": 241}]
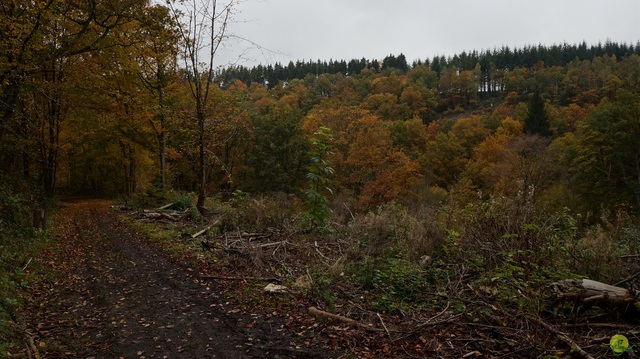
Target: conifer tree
[{"x": 537, "y": 120}]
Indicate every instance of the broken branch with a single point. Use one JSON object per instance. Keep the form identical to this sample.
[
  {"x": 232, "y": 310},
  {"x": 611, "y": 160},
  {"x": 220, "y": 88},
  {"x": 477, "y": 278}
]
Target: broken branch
[
  {"x": 199, "y": 233},
  {"x": 383, "y": 325},
  {"x": 563, "y": 337},
  {"x": 264, "y": 279},
  {"x": 322, "y": 314},
  {"x": 165, "y": 206}
]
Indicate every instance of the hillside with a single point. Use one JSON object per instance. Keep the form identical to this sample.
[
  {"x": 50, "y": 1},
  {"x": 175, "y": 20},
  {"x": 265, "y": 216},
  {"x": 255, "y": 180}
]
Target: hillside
[{"x": 463, "y": 186}]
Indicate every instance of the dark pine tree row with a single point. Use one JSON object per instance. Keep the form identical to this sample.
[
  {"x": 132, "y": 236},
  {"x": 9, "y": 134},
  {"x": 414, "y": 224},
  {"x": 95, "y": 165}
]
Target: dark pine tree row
[{"x": 490, "y": 63}]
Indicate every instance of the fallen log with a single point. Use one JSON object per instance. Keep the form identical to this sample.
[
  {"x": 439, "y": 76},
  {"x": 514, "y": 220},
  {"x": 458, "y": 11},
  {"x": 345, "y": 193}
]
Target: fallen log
[
  {"x": 31, "y": 347},
  {"x": 590, "y": 291},
  {"x": 241, "y": 247}
]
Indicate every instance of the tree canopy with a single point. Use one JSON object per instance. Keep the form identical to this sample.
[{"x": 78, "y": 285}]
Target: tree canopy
[{"x": 97, "y": 99}]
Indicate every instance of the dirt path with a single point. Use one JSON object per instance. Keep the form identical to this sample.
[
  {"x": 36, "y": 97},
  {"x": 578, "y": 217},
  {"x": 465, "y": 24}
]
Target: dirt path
[{"x": 112, "y": 295}]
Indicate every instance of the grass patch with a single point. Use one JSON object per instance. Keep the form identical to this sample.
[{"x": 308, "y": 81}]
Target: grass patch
[{"x": 173, "y": 238}]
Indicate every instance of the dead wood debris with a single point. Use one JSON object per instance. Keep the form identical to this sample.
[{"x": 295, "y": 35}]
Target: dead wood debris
[
  {"x": 323, "y": 314},
  {"x": 156, "y": 216},
  {"x": 575, "y": 348},
  {"x": 589, "y": 291},
  {"x": 203, "y": 231},
  {"x": 243, "y": 242},
  {"x": 32, "y": 350},
  {"x": 402, "y": 331},
  {"x": 585, "y": 293},
  {"x": 165, "y": 206},
  {"x": 262, "y": 279}
]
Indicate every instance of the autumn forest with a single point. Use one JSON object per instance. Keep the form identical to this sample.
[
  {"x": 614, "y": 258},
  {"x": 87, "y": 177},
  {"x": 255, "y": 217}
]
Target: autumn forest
[{"x": 489, "y": 173}]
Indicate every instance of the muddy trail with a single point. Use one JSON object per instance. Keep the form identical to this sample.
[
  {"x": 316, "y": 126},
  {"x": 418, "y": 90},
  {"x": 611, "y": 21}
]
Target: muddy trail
[{"x": 109, "y": 293}]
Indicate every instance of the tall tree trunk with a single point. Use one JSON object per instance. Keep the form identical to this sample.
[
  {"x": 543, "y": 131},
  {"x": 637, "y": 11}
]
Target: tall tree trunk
[
  {"x": 26, "y": 163},
  {"x": 8, "y": 102},
  {"x": 50, "y": 170},
  {"x": 126, "y": 167},
  {"x": 54, "y": 110},
  {"x": 162, "y": 139},
  {"x": 202, "y": 190},
  {"x": 132, "y": 172},
  {"x": 50, "y": 144}
]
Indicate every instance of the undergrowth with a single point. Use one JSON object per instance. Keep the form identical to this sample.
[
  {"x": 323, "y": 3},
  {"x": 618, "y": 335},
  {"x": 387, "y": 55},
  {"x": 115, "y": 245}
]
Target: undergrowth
[
  {"x": 420, "y": 258},
  {"x": 19, "y": 243}
]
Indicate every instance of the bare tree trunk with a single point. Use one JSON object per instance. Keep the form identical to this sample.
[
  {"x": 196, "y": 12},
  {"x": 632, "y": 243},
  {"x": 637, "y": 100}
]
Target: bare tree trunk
[
  {"x": 202, "y": 194},
  {"x": 202, "y": 28}
]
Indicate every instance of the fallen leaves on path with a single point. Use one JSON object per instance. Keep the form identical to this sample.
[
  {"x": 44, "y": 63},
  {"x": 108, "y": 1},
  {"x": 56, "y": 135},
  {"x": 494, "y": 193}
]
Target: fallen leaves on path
[{"x": 109, "y": 293}]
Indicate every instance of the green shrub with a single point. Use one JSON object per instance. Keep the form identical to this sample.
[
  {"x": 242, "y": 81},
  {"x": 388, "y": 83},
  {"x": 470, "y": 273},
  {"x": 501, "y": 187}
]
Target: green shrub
[
  {"x": 152, "y": 197},
  {"x": 320, "y": 170},
  {"x": 400, "y": 278},
  {"x": 396, "y": 281},
  {"x": 18, "y": 243},
  {"x": 183, "y": 201},
  {"x": 15, "y": 211}
]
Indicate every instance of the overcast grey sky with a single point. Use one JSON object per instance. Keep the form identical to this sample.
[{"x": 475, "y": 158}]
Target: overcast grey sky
[{"x": 347, "y": 29}]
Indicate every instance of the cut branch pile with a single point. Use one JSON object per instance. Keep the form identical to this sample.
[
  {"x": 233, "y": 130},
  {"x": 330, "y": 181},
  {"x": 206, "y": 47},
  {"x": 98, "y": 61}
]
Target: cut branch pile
[
  {"x": 243, "y": 242},
  {"x": 157, "y": 216}
]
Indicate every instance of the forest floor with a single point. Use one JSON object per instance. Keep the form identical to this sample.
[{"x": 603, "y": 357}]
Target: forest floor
[
  {"x": 106, "y": 291},
  {"x": 109, "y": 293}
]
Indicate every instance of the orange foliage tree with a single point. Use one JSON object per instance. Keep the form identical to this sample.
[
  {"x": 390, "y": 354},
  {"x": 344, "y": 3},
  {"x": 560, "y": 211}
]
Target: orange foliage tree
[
  {"x": 483, "y": 166},
  {"x": 373, "y": 169},
  {"x": 367, "y": 164}
]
